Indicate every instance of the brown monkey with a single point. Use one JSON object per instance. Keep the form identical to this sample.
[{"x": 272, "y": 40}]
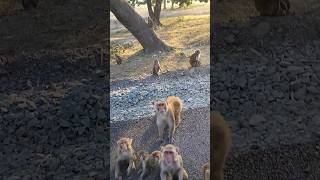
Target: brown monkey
[
  {"x": 220, "y": 144},
  {"x": 272, "y": 7},
  {"x": 195, "y": 59},
  {"x": 156, "y": 68},
  {"x": 168, "y": 114},
  {"x": 206, "y": 171},
  {"x": 118, "y": 59},
  {"x": 171, "y": 164},
  {"x": 125, "y": 157},
  {"x": 30, "y": 4},
  {"x": 149, "y": 164}
]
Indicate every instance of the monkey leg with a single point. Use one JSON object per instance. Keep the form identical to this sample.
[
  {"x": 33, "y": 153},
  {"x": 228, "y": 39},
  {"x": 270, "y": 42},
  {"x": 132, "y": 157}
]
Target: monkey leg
[
  {"x": 161, "y": 127},
  {"x": 130, "y": 167},
  {"x": 163, "y": 176},
  {"x": 172, "y": 129},
  {"x": 116, "y": 171}
]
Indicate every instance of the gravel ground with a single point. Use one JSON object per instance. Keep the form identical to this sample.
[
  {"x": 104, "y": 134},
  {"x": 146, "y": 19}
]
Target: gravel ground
[
  {"x": 52, "y": 116},
  {"x": 192, "y": 136},
  {"x": 294, "y": 162},
  {"x": 135, "y": 96},
  {"x": 265, "y": 80}
]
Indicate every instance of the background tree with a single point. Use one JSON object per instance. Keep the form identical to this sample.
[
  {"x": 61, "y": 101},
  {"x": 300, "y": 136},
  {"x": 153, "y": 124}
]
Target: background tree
[
  {"x": 137, "y": 26},
  {"x": 154, "y": 13}
]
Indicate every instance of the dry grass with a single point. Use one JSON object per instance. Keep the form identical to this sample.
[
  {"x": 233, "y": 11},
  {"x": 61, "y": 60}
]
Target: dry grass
[{"x": 185, "y": 33}]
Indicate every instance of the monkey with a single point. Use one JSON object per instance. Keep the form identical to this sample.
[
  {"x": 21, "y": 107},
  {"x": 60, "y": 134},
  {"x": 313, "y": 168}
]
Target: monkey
[
  {"x": 206, "y": 171},
  {"x": 125, "y": 157},
  {"x": 272, "y": 7},
  {"x": 168, "y": 113},
  {"x": 30, "y": 4},
  {"x": 195, "y": 59},
  {"x": 220, "y": 144},
  {"x": 156, "y": 68},
  {"x": 118, "y": 59},
  {"x": 171, "y": 164},
  {"x": 149, "y": 164}
]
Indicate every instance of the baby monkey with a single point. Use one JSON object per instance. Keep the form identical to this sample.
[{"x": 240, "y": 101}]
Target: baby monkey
[
  {"x": 220, "y": 142},
  {"x": 168, "y": 114},
  {"x": 125, "y": 157},
  {"x": 272, "y": 7},
  {"x": 149, "y": 164},
  {"x": 156, "y": 68},
  {"x": 195, "y": 59},
  {"x": 171, "y": 164}
]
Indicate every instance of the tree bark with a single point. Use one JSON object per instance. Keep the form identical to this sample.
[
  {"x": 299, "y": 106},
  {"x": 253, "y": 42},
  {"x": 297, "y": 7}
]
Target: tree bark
[
  {"x": 157, "y": 11},
  {"x": 137, "y": 26},
  {"x": 155, "y": 14},
  {"x": 150, "y": 10}
]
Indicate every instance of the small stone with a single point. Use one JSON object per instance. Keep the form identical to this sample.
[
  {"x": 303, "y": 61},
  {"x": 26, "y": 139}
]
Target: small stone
[
  {"x": 230, "y": 39},
  {"x": 256, "y": 120}
]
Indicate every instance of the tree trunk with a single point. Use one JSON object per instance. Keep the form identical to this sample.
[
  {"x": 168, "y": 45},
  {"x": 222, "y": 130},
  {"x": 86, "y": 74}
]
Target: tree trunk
[
  {"x": 155, "y": 14},
  {"x": 137, "y": 26},
  {"x": 165, "y": 4},
  {"x": 172, "y": 4},
  {"x": 157, "y": 11},
  {"x": 150, "y": 10}
]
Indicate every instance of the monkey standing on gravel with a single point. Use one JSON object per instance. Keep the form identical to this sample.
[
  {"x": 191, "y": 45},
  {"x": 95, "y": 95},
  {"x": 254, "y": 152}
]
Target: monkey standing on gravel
[{"x": 272, "y": 7}]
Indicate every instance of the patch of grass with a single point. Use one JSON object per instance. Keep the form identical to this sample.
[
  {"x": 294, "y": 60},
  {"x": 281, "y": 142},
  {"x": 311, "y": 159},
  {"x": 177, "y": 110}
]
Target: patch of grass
[{"x": 185, "y": 33}]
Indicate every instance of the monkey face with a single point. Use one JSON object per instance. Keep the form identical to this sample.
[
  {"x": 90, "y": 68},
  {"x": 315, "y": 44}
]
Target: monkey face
[
  {"x": 160, "y": 107},
  {"x": 169, "y": 153},
  {"x": 124, "y": 144},
  {"x": 143, "y": 155},
  {"x": 156, "y": 155},
  {"x": 197, "y": 51}
]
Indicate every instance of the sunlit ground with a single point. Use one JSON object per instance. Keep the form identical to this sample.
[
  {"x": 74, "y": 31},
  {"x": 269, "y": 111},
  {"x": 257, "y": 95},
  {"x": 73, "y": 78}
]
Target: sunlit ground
[{"x": 185, "y": 33}]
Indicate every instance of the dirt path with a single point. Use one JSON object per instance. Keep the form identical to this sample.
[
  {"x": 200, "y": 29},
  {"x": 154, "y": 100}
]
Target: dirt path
[{"x": 192, "y": 137}]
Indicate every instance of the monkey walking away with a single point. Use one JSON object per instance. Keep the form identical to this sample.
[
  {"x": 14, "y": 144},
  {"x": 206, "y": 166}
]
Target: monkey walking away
[
  {"x": 220, "y": 142},
  {"x": 272, "y": 7},
  {"x": 171, "y": 164},
  {"x": 168, "y": 113},
  {"x": 156, "y": 68},
  {"x": 125, "y": 157},
  {"x": 195, "y": 59}
]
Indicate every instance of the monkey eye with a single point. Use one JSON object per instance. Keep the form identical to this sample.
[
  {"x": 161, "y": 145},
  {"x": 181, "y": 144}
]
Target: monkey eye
[{"x": 168, "y": 152}]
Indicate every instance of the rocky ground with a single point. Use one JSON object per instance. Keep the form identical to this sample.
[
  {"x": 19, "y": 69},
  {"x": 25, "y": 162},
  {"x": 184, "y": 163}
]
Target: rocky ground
[
  {"x": 265, "y": 80},
  {"x": 136, "y": 96},
  {"x": 52, "y": 116},
  {"x": 54, "y": 92}
]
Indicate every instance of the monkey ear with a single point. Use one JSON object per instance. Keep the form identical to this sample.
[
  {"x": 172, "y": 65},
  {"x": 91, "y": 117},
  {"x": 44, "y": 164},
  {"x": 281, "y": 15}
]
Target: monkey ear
[
  {"x": 178, "y": 150},
  {"x": 130, "y": 140}
]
